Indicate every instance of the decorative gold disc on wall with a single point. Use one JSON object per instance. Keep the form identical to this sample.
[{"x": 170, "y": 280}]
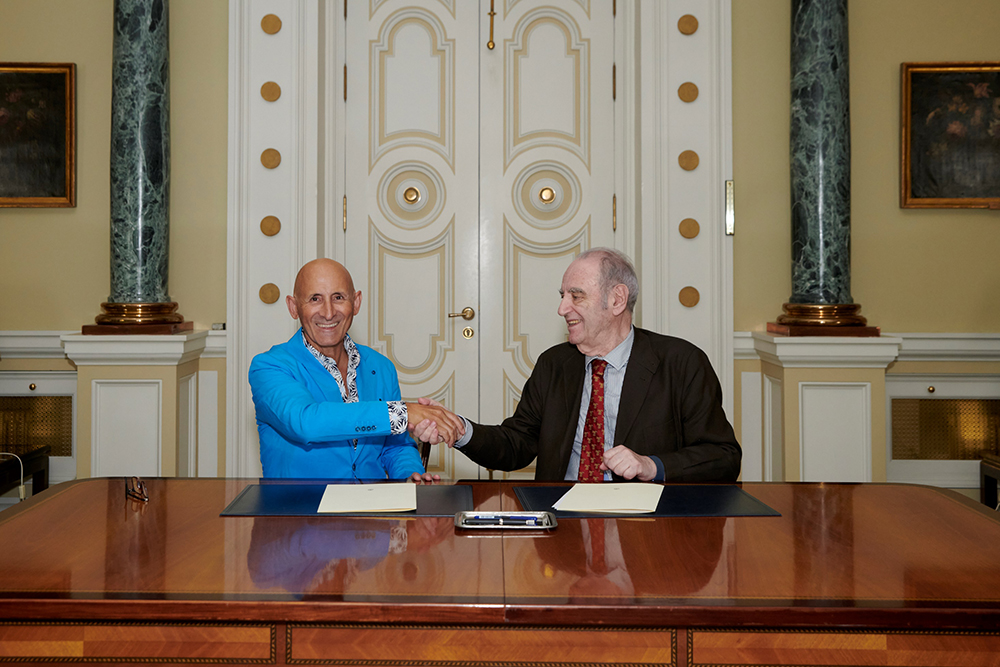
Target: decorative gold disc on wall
[
  {"x": 411, "y": 195},
  {"x": 270, "y": 226},
  {"x": 270, "y": 158},
  {"x": 689, "y": 228},
  {"x": 688, "y": 92},
  {"x": 269, "y": 293},
  {"x": 687, "y": 24},
  {"x": 270, "y": 91},
  {"x": 689, "y": 297},
  {"x": 270, "y": 24},
  {"x": 688, "y": 160}
]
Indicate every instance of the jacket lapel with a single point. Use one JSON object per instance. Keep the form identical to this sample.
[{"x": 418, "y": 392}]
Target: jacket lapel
[
  {"x": 314, "y": 370},
  {"x": 642, "y": 365},
  {"x": 572, "y": 372}
]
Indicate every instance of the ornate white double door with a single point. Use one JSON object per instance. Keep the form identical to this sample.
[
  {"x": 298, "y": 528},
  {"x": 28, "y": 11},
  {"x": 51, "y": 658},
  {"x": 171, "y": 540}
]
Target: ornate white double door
[{"x": 473, "y": 176}]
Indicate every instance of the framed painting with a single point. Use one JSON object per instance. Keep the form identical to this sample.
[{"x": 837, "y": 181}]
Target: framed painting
[
  {"x": 37, "y": 134},
  {"x": 951, "y": 135}
]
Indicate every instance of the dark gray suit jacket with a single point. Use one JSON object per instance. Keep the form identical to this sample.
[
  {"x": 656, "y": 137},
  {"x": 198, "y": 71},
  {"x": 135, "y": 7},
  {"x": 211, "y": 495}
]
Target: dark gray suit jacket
[{"x": 671, "y": 407}]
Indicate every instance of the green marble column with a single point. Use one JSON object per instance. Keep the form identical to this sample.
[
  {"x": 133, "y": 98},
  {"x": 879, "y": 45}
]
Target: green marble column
[
  {"x": 820, "y": 153},
  {"x": 140, "y": 166},
  {"x": 820, "y": 167}
]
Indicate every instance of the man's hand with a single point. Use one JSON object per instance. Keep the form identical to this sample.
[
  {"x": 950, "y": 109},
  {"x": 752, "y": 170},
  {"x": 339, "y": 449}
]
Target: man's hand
[
  {"x": 429, "y": 421},
  {"x": 623, "y": 462},
  {"x": 424, "y": 478}
]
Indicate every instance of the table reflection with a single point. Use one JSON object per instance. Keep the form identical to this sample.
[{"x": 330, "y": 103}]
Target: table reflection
[
  {"x": 629, "y": 558},
  {"x": 326, "y": 555}
]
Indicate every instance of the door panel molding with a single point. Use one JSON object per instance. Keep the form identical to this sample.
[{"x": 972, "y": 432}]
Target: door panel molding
[
  {"x": 518, "y": 98},
  {"x": 442, "y": 138},
  {"x": 411, "y": 316}
]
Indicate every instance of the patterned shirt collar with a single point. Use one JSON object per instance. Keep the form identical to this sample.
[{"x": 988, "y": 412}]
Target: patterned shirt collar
[{"x": 349, "y": 389}]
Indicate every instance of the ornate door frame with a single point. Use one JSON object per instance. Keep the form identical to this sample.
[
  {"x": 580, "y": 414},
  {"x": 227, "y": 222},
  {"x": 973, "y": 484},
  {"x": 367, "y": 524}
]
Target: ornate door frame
[{"x": 656, "y": 53}]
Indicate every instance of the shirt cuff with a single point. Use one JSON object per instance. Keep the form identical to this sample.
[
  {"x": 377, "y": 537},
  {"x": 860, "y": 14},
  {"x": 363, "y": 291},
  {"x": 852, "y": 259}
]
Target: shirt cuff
[
  {"x": 398, "y": 417},
  {"x": 464, "y": 440},
  {"x": 661, "y": 473}
]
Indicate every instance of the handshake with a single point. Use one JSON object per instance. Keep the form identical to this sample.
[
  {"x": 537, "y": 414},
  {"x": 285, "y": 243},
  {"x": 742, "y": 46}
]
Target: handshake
[{"x": 429, "y": 421}]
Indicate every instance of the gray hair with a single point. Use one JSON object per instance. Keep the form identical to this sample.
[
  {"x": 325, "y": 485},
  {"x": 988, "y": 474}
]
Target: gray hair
[{"x": 616, "y": 269}]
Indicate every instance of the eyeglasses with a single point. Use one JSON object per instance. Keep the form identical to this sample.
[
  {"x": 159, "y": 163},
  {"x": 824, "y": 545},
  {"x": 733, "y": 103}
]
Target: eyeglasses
[{"x": 135, "y": 488}]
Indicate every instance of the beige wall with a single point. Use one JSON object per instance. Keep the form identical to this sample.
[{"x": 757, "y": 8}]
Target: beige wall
[
  {"x": 54, "y": 263},
  {"x": 913, "y": 270}
]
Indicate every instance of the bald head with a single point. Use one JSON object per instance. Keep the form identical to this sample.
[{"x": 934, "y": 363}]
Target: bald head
[
  {"x": 325, "y": 302},
  {"x": 319, "y": 268}
]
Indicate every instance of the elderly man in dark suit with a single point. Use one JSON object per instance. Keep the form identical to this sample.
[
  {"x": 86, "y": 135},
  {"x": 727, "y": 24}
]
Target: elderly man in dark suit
[{"x": 616, "y": 401}]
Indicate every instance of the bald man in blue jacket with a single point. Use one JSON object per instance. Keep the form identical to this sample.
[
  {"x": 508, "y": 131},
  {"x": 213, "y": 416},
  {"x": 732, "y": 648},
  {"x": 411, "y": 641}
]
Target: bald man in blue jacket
[{"x": 328, "y": 408}]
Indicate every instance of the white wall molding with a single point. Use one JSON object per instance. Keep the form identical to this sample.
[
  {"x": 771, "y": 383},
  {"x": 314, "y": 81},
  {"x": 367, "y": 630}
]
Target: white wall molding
[
  {"x": 140, "y": 350},
  {"x": 949, "y": 347},
  {"x": 32, "y": 344},
  {"x": 187, "y": 426},
  {"x": 208, "y": 424},
  {"x": 826, "y": 351},
  {"x": 835, "y": 432},
  {"x": 912, "y": 346},
  {"x": 126, "y": 428},
  {"x": 752, "y": 426},
  {"x": 669, "y": 194},
  {"x": 743, "y": 349},
  {"x": 773, "y": 430},
  {"x": 215, "y": 345},
  {"x": 290, "y": 192}
]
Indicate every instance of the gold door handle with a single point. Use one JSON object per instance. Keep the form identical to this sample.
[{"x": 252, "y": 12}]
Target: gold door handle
[
  {"x": 466, "y": 314},
  {"x": 490, "y": 44}
]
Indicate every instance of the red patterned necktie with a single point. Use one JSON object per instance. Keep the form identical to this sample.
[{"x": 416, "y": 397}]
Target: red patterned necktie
[
  {"x": 597, "y": 562},
  {"x": 592, "y": 448}
]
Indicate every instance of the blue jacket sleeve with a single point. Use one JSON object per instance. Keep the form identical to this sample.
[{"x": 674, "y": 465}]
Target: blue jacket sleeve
[
  {"x": 400, "y": 456},
  {"x": 285, "y": 404}
]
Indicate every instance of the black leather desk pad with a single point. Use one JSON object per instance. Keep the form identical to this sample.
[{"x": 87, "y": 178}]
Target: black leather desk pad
[
  {"x": 297, "y": 499},
  {"x": 676, "y": 500}
]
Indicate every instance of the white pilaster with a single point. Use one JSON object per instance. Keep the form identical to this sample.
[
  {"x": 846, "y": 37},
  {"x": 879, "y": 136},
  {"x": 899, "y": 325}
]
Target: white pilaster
[
  {"x": 138, "y": 403},
  {"x": 824, "y": 406}
]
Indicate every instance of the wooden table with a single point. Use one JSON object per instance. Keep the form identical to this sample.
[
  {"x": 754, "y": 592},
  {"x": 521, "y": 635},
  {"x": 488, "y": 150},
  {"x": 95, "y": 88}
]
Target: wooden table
[{"x": 863, "y": 574}]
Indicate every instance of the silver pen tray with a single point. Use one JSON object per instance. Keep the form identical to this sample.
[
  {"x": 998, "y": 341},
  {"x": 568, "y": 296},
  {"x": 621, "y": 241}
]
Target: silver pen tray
[{"x": 506, "y": 520}]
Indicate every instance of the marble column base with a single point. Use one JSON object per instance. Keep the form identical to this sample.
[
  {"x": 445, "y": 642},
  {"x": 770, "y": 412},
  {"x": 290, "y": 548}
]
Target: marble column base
[
  {"x": 804, "y": 319},
  {"x": 138, "y": 318},
  {"x": 136, "y": 329},
  {"x": 139, "y": 313}
]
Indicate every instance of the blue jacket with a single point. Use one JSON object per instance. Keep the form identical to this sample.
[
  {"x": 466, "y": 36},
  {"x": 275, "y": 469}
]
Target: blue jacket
[{"x": 307, "y": 431}]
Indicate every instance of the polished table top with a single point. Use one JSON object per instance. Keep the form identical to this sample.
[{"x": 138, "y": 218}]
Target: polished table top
[{"x": 854, "y": 554}]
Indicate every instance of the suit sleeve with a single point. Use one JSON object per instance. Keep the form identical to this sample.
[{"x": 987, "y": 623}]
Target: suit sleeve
[
  {"x": 709, "y": 450},
  {"x": 513, "y": 444},
  {"x": 285, "y": 404}
]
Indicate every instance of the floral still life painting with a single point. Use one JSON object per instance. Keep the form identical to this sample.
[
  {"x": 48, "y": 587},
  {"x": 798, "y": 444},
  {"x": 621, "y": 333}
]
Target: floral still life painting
[
  {"x": 37, "y": 135},
  {"x": 951, "y": 135}
]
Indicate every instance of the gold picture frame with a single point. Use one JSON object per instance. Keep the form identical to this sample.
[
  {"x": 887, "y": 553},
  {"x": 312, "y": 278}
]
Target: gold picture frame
[
  {"x": 951, "y": 135},
  {"x": 37, "y": 135}
]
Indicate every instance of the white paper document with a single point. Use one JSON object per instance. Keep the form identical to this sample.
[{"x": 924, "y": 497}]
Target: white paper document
[
  {"x": 343, "y": 498},
  {"x": 610, "y": 498}
]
